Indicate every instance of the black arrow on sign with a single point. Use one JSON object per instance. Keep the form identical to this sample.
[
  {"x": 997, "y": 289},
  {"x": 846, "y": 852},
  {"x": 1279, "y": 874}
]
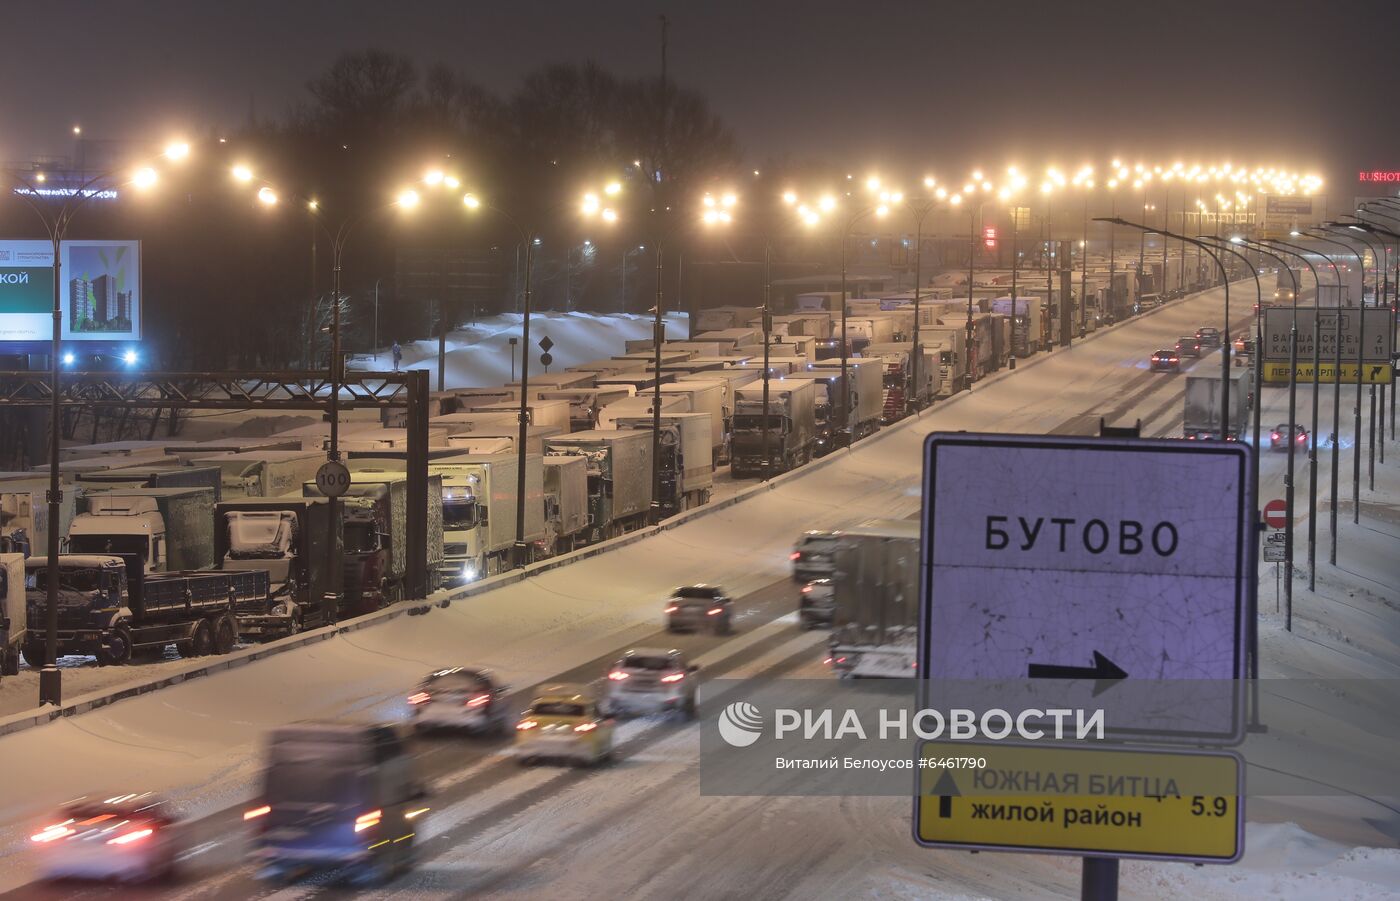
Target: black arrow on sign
[
  {"x": 1104, "y": 672},
  {"x": 946, "y": 790}
]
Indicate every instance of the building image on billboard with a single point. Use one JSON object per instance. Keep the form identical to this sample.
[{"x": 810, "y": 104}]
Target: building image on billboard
[{"x": 103, "y": 283}]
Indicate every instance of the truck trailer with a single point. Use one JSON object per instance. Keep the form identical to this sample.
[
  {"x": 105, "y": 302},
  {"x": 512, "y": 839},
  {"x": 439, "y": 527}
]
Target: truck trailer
[
  {"x": 619, "y": 478},
  {"x": 113, "y": 610},
  {"x": 875, "y": 578},
  {"x": 687, "y": 464},
  {"x": 790, "y": 433}
]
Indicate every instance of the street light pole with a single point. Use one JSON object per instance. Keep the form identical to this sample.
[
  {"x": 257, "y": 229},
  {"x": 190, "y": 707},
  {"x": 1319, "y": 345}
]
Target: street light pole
[
  {"x": 1225, "y": 342},
  {"x": 1393, "y": 207},
  {"x": 1345, "y": 230},
  {"x": 1301, "y": 253},
  {"x": 1360, "y": 364},
  {"x": 56, "y": 224},
  {"x": 1392, "y": 289}
]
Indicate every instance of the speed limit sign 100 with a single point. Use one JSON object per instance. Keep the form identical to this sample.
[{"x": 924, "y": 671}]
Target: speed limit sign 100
[{"x": 333, "y": 478}]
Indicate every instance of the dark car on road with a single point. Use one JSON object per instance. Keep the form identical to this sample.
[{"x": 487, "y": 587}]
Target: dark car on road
[
  {"x": 1282, "y": 434},
  {"x": 1166, "y": 361},
  {"x": 692, "y": 608},
  {"x": 1208, "y": 337},
  {"x": 1188, "y": 346}
]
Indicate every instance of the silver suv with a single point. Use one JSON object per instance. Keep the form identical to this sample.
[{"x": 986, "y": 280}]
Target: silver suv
[{"x": 652, "y": 680}]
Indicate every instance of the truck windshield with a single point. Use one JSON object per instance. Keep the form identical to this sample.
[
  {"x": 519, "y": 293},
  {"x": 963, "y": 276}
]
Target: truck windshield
[
  {"x": 459, "y": 513},
  {"x": 68, "y": 579},
  {"x": 308, "y": 782},
  {"x": 361, "y": 537},
  {"x": 129, "y": 545}
]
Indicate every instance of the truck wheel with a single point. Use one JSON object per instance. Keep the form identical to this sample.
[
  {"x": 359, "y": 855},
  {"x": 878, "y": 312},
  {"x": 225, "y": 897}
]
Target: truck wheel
[
  {"x": 202, "y": 641},
  {"x": 225, "y": 630},
  {"x": 116, "y": 649},
  {"x": 33, "y": 651}
]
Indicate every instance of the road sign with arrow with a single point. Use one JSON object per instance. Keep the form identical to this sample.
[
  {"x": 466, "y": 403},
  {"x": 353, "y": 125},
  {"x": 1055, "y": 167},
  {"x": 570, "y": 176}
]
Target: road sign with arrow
[
  {"x": 1155, "y": 805},
  {"x": 1092, "y": 567}
]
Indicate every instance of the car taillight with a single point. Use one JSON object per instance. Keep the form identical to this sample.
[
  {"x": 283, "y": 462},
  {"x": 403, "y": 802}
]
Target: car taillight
[
  {"x": 50, "y": 833},
  {"x": 257, "y": 812},
  {"x": 806, "y": 589},
  {"x": 674, "y": 677},
  {"x": 1302, "y": 437},
  {"x": 1273, "y": 436},
  {"x": 421, "y": 697},
  {"x": 585, "y": 727},
  {"x": 127, "y": 838},
  {"x": 367, "y": 820},
  {"x": 526, "y": 724},
  {"x": 795, "y": 556},
  {"x": 672, "y": 609},
  {"x": 714, "y": 610},
  {"x": 618, "y": 675}
]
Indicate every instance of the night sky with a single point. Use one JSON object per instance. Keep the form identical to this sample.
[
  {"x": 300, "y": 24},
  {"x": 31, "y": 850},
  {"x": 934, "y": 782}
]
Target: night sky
[{"x": 906, "y": 87}]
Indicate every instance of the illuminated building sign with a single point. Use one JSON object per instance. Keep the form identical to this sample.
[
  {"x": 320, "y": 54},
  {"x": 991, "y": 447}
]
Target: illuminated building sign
[{"x": 1380, "y": 175}]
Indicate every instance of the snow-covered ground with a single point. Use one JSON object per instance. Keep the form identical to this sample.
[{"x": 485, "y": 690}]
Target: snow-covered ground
[
  {"x": 642, "y": 829},
  {"x": 480, "y": 355}
]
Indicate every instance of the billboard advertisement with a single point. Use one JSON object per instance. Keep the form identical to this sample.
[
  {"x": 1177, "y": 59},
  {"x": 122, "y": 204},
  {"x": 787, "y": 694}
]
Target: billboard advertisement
[{"x": 99, "y": 290}]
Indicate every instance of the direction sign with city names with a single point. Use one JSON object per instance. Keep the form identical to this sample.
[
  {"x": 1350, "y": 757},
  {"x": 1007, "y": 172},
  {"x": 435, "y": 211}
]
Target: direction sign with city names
[
  {"x": 1114, "y": 562},
  {"x": 1154, "y": 805},
  {"x": 1311, "y": 320}
]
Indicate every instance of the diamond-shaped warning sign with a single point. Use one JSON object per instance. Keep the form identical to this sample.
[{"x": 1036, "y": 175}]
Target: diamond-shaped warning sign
[{"x": 546, "y": 344}]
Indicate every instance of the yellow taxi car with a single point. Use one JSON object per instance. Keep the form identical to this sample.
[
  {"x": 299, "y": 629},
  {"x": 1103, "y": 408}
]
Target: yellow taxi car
[{"x": 565, "y": 722}]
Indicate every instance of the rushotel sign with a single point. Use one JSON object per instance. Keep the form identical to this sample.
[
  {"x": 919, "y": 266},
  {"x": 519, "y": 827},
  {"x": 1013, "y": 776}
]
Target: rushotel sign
[{"x": 1381, "y": 176}]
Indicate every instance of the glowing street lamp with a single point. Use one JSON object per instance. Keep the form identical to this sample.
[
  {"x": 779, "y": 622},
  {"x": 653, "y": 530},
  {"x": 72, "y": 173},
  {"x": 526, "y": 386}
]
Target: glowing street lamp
[
  {"x": 56, "y": 223},
  {"x": 589, "y": 206}
]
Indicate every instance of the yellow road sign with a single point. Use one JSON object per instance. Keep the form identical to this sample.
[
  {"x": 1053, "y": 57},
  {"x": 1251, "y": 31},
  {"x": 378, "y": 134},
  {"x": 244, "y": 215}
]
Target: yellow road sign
[
  {"x": 1156, "y": 805},
  {"x": 1371, "y": 373}
]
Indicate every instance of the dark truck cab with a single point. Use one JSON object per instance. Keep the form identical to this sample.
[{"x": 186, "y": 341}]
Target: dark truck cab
[{"x": 110, "y": 608}]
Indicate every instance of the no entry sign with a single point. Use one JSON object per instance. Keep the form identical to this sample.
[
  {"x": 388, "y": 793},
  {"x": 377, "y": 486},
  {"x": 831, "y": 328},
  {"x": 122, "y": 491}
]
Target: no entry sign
[{"x": 1275, "y": 514}]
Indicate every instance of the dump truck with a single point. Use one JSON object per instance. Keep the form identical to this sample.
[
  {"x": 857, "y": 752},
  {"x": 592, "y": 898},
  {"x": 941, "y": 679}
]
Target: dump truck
[
  {"x": 875, "y": 579},
  {"x": 271, "y": 473},
  {"x": 13, "y": 612},
  {"x": 110, "y": 608},
  {"x": 1201, "y": 420},
  {"x": 619, "y": 478},
  {"x": 565, "y": 502},
  {"x": 687, "y": 464},
  {"x": 791, "y": 427},
  {"x": 168, "y": 529},
  {"x": 375, "y": 524},
  {"x": 295, "y": 541}
]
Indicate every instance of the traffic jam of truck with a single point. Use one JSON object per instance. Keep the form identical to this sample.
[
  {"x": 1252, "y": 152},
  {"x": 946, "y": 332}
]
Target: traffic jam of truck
[{"x": 201, "y": 546}]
